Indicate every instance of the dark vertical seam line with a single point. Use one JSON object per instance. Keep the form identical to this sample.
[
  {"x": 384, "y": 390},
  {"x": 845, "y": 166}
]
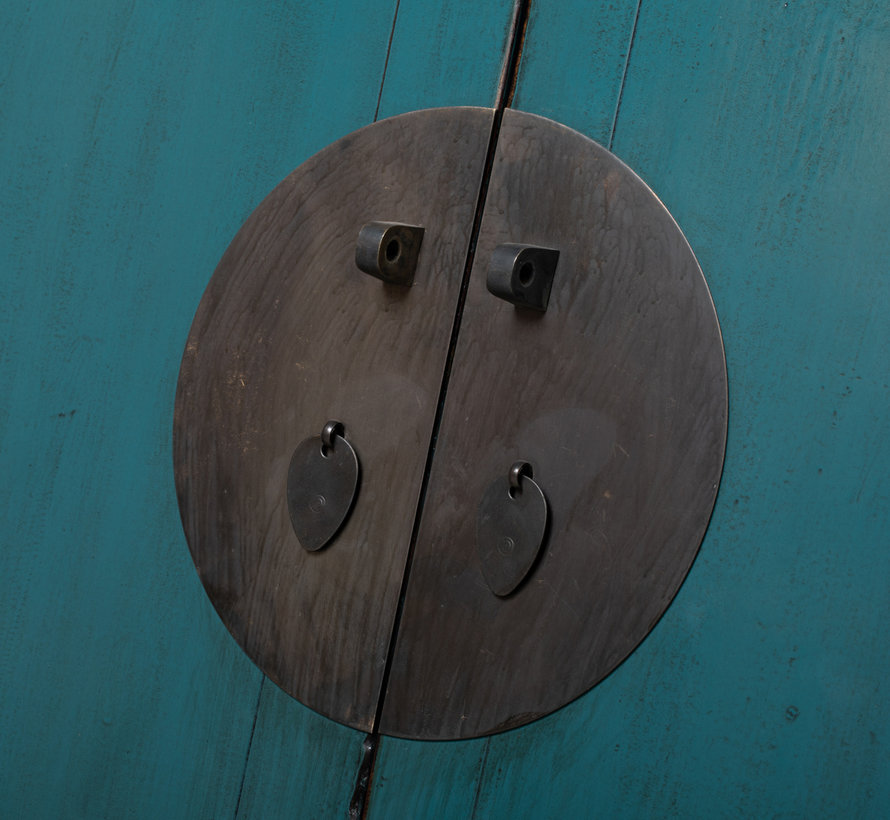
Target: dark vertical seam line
[
  {"x": 482, "y": 766},
  {"x": 256, "y": 713},
  {"x": 440, "y": 407},
  {"x": 360, "y": 804},
  {"x": 630, "y": 45},
  {"x": 392, "y": 32},
  {"x": 513, "y": 54},
  {"x": 511, "y": 66}
]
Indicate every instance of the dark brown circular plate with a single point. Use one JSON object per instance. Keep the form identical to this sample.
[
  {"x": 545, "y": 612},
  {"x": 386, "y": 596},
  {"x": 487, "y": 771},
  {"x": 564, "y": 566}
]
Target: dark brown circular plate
[{"x": 616, "y": 396}]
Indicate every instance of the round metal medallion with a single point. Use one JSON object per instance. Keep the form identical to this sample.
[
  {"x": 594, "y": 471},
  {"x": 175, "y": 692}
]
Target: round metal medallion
[{"x": 613, "y": 387}]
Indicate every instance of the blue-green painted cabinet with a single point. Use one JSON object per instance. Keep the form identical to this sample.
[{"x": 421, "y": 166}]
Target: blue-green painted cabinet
[{"x": 135, "y": 137}]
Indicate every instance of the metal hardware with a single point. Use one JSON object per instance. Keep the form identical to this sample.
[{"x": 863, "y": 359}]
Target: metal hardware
[
  {"x": 618, "y": 398},
  {"x": 389, "y": 251},
  {"x": 290, "y": 334},
  {"x": 511, "y": 529},
  {"x": 522, "y": 274},
  {"x": 322, "y": 481}
]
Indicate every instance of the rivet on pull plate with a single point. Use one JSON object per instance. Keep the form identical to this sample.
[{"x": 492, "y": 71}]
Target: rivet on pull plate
[
  {"x": 321, "y": 486},
  {"x": 522, "y": 274},
  {"x": 389, "y": 251},
  {"x": 511, "y": 528}
]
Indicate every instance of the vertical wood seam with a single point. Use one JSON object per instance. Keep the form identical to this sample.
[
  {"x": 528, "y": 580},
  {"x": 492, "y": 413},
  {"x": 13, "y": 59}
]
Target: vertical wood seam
[
  {"x": 511, "y": 66},
  {"x": 481, "y": 780},
  {"x": 361, "y": 798},
  {"x": 513, "y": 54},
  {"x": 256, "y": 713},
  {"x": 392, "y": 32},
  {"x": 630, "y": 45}
]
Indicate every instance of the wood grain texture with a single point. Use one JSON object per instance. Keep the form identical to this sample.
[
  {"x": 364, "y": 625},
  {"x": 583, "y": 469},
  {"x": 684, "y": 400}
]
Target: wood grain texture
[
  {"x": 428, "y": 780},
  {"x": 300, "y": 763},
  {"x": 135, "y": 138},
  {"x": 449, "y": 53},
  {"x": 573, "y": 62},
  {"x": 761, "y": 691},
  {"x": 420, "y": 34}
]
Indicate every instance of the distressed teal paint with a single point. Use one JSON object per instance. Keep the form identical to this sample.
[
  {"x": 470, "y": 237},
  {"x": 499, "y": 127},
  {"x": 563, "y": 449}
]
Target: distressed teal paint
[
  {"x": 559, "y": 40},
  {"x": 762, "y": 691},
  {"x": 447, "y": 53},
  {"x": 300, "y": 763},
  {"x": 134, "y": 140},
  {"x": 427, "y": 780}
]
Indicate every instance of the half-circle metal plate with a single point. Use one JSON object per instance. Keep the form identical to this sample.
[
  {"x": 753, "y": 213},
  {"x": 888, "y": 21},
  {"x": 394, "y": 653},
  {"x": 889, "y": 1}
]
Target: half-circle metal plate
[
  {"x": 290, "y": 333},
  {"x": 618, "y": 396}
]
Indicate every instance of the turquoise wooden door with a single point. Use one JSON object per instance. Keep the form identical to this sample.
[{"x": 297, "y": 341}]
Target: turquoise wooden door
[{"x": 134, "y": 140}]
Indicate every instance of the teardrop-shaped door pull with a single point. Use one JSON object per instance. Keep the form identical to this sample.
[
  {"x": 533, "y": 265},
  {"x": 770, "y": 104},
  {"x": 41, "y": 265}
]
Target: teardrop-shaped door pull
[
  {"x": 511, "y": 528},
  {"x": 322, "y": 481}
]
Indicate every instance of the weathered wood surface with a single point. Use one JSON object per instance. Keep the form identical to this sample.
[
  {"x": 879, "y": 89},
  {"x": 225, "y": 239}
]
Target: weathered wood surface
[
  {"x": 134, "y": 141},
  {"x": 761, "y": 690}
]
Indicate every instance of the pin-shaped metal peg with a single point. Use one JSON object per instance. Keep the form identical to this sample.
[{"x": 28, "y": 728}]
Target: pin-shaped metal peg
[
  {"x": 389, "y": 251},
  {"x": 522, "y": 274}
]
